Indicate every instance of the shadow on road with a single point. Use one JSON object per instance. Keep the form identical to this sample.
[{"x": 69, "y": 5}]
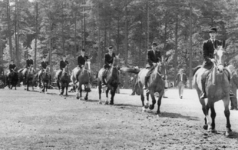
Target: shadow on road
[
  {"x": 126, "y": 105},
  {"x": 175, "y": 115},
  {"x": 234, "y": 135}
]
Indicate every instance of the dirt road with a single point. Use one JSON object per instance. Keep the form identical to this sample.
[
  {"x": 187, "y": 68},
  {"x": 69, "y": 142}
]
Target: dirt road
[{"x": 33, "y": 120}]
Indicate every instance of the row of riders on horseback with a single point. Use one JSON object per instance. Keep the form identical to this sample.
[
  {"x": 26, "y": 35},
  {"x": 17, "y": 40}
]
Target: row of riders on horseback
[{"x": 211, "y": 80}]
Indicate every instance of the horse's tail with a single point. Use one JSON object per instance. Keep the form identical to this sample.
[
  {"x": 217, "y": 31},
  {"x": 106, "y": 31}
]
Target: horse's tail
[{"x": 130, "y": 70}]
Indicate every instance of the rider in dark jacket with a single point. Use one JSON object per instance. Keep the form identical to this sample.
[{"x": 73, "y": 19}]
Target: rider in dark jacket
[
  {"x": 153, "y": 57},
  {"x": 209, "y": 47},
  {"x": 108, "y": 60},
  {"x": 82, "y": 58},
  {"x": 12, "y": 66}
]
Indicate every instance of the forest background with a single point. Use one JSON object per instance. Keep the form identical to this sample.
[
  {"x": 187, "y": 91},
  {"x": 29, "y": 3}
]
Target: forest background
[{"x": 58, "y": 27}]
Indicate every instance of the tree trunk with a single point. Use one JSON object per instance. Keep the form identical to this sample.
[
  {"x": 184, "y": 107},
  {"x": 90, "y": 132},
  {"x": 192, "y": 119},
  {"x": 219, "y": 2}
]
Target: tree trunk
[
  {"x": 126, "y": 35},
  {"x": 191, "y": 49},
  {"x": 75, "y": 36},
  {"x": 36, "y": 32},
  {"x": 175, "y": 59},
  {"x": 9, "y": 30},
  {"x": 62, "y": 28}
]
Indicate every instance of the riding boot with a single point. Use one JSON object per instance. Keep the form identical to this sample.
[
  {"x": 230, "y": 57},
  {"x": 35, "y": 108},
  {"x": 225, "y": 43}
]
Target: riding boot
[{"x": 203, "y": 93}]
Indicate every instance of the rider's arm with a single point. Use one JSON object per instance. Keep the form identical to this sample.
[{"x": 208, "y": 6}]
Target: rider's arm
[
  {"x": 205, "y": 51},
  {"x": 149, "y": 58},
  {"x": 106, "y": 59}
]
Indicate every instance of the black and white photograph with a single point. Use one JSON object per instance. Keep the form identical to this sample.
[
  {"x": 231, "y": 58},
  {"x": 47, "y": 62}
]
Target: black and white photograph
[{"x": 118, "y": 74}]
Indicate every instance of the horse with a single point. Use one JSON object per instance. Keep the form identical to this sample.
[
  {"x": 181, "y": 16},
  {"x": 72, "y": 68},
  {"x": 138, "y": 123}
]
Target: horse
[
  {"x": 45, "y": 79},
  {"x": 112, "y": 78},
  {"x": 156, "y": 84},
  {"x": 73, "y": 78},
  {"x": 12, "y": 79},
  {"x": 63, "y": 80},
  {"x": 83, "y": 78},
  {"x": 29, "y": 80},
  {"x": 217, "y": 88}
]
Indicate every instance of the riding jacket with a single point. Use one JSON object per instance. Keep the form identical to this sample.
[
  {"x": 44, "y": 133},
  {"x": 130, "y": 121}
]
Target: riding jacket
[
  {"x": 29, "y": 62},
  {"x": 12, "y": 66},
  {"x": 208, "y": 48},
  {"x": 153, "y": 57},
  {"x": 108, "y": 59},
  {"x": 82, "y": 60},
  {"x": 44, "y": 64},
  {"x": 63, "y": 64}
]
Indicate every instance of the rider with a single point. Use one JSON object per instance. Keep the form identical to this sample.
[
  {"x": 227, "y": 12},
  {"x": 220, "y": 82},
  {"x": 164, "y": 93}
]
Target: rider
[
  {"x": 108, "y": 60},
  {"x": 12, "y": 66},
  {"x": 63, "y": 64},
  {"x": 209, "y": 47},
  {"x": 29, "y": 63},
  {"x": 82, "y": 59},
  {"x": 44, "y": 65},
  {"x": 153, "y": 57}
]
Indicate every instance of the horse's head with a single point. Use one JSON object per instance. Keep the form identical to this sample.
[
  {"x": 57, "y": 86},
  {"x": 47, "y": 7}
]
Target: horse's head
[
  {"x": 220, "y": 57},
  {"x": 87, "y": 65},
  {"x": 116, "y": 61},
  {"x": 65, "y": 70}
]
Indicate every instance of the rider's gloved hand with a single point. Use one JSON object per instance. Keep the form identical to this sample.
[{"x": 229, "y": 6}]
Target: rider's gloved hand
[{"x": 154, "y": 64}]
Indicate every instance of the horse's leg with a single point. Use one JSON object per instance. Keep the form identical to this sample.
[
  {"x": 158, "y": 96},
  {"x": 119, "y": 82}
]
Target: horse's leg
[
  {"x": 213, "y": 115},
  {"x": 78, "y": 90},
  {"x": 100, "y": 91},
  {"x": 205, "y": 109},
  {"x": 159, "y": 103},
  {"x": 66, "y": 90},
  {"x": 81, "y": 89},
  {"x": 226, "y": 102},
  {"x": 142, "y": 101},
  {"x": 27, "y": 85},
  {"x": 113, "y": 92},
  {"x": 107, "y": 96},
  {"x": 153, "y": 100},
  {"x": 147, "y": 98},
  {"x": 86, "y": 96}
]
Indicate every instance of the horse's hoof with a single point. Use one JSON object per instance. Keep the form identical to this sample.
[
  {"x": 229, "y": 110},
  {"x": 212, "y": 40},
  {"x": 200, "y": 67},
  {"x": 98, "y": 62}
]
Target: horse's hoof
[
  {"x": 106, "y": 103},
  {"x": 146, "y": 106},
  {"x": 205, "y": 127},
  {"x": 228, "y": 132},
  {"x": 143, "y": 109},
  {"x": 212, "y": 130},
  {"x": 151, "y": 107},
  {"x": 77, "y": 97},
  {"x": 85, "y": 98},
  {"x": 111, "y": 103},
  {"x": 100, "y": 102}
]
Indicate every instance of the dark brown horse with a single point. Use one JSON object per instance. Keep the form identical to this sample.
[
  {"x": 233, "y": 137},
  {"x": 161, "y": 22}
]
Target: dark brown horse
[
  {"x": 112, "y": 81},
  {"x": 12, "y": 79},
  {"x": 156, "y": 85},
  {"x": 29, "y": 80},
  {"x": 217, "y": 88},
  {"x": 63, "y": 80},
  {"x": 83, "y": 78},
  {"x": 45, "y": 79}
]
